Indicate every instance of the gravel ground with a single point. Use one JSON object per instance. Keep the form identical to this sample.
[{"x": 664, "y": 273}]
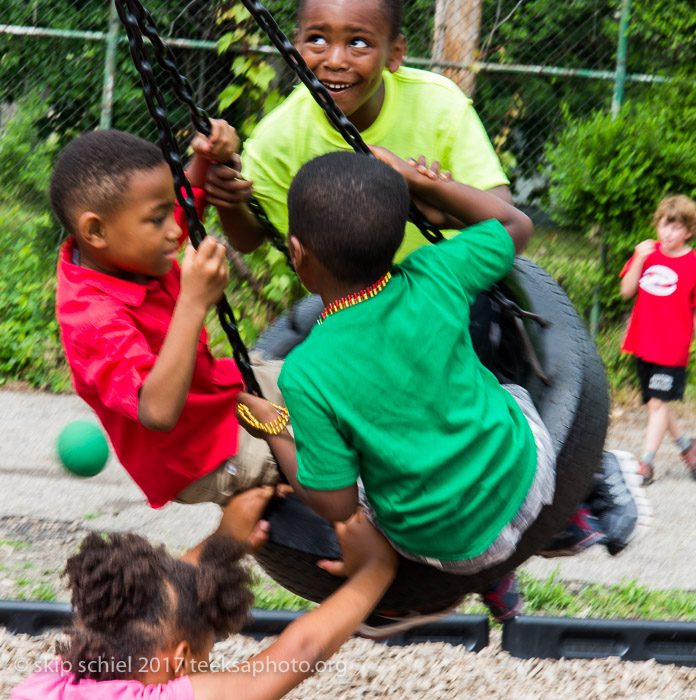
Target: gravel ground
[
  {"x": 44, "y": 512},
  {"x": 364, "y": 670}
]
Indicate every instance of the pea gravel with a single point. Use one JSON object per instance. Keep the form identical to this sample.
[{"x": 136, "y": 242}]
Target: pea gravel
[{"x": 365, "y": 670}]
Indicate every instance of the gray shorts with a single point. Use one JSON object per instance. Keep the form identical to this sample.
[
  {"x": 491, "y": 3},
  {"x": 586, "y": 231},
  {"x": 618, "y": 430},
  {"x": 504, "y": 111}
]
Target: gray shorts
[{"x": 540, "y": 494}]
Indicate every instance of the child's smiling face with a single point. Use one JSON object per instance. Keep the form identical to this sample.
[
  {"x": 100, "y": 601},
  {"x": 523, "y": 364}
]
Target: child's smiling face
[{"x": 347, "y": 44}]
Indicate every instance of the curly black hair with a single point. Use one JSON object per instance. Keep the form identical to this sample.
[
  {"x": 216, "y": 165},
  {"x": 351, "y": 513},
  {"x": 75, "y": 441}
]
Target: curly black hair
[
  {"x": 132, "y": 599},
  {"x": 392, "y": 10}
]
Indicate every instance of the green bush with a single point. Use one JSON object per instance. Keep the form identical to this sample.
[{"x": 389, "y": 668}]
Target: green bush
[
  {"x": 30, "y": 347},
  {"x": 608, "y": 175},
  {"x": 29, "y": 342},
  {"x": 573, "y": 261}
]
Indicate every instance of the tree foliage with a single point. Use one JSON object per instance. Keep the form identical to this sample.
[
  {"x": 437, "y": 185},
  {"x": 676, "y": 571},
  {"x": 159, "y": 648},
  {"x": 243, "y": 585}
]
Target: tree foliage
[
  {"x": 580, "y": 34},
  {"x": 608, "y": 174},
  {"x": 68, "y": 72}
]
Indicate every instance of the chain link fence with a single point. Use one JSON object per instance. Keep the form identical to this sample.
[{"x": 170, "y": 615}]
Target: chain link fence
[{"x": 529, "y": 65}]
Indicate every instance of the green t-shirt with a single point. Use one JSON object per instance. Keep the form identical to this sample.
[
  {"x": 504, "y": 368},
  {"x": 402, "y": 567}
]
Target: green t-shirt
[
  {"x": 391, "y": 390},
  {"x": 423, "y": 114}
]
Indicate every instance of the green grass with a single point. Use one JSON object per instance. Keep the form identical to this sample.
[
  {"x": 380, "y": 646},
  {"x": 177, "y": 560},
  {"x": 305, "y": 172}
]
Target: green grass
[
  {"x": 268, "y": 595},
  {"x": 28, "y": 590},
  {"x": 15, "y": 544},
  {"x": 626, "y": 599},
  {"x": 544, "y": 597}
]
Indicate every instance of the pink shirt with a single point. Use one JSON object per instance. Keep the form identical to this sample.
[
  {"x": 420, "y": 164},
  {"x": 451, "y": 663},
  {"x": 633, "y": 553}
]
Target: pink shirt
[
  {"x": 662, "y": 321},
  {"x": 54, "y": 684},
  {"x": 112, "y": 331}
]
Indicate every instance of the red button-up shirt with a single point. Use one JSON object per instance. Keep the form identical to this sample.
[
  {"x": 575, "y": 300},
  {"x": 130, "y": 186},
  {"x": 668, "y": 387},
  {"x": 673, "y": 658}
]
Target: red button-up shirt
[{"x": 112, "y": 331}]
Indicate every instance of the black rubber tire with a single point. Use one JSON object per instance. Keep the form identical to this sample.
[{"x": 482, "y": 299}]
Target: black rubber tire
[{"x": 574, "y": 407}]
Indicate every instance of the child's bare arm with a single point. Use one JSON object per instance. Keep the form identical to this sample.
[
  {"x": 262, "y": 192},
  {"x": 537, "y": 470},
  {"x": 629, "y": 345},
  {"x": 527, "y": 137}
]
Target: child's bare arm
[
  {"x": 228, "y": 191},
  {"x": 502, "y": 192},
  {"x": 220, "y": 147},
  {"x": 204, "y": 275},
  {"x": 466, "y": 204},
  {"x": 371, "y": 563},
  {"x": 629, "y": 282},
  {"x": 335, "y": 505}
]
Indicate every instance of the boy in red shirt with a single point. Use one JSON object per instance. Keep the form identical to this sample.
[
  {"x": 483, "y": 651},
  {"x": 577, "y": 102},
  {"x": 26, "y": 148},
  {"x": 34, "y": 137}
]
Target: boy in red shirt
[
  {"x": 132, "y": 319},
  {"x": 663, "y": 274}
]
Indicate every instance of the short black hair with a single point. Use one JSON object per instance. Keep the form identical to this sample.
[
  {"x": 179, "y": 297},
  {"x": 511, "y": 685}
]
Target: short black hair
[
  {"x": 92, "y": 173},
  {"x": 132, "y": 600},
  {"x": 392, "y": 10},
  {"x": 350, "y": 210}
]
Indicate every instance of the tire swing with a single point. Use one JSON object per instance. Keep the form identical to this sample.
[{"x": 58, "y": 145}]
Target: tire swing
[
  {"x": 573, "y": 404},
  {"x": 558, "y": 365}
]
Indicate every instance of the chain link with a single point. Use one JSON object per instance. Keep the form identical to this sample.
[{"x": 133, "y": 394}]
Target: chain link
[
  {"x": 321, "y": 95},
  {"x": 201, "y": 120},
  {"x": 137, "y": 21}
]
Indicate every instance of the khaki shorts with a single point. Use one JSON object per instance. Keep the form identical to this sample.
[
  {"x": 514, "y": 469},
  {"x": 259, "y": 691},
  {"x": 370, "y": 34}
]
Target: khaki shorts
[{"x": 253, "y": 465}]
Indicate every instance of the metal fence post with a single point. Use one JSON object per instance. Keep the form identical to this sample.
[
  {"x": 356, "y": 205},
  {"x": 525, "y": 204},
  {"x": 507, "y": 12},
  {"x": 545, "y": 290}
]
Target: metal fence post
[
  {"x": 617, "y": 100},
  {"x": 107, "y": 104},
  {"x": 621, "y": 50}
]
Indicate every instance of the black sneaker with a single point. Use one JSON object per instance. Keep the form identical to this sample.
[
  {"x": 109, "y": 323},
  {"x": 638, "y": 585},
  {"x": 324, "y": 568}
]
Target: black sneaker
[
  {"x": 382, "y": 624},
  {"x": 618, "y": 500}
]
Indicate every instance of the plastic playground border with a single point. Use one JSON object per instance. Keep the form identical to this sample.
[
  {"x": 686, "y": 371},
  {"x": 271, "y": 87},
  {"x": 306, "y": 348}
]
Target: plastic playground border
[{"x": 525, "y": 637}]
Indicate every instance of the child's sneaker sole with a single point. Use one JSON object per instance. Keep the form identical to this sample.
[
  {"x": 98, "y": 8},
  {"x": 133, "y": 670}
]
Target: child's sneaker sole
[{"x": 619, "y": 501}]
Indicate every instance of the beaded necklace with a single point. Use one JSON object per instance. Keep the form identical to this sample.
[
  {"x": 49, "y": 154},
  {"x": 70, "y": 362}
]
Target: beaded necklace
[{"x": 356, "y": 298}]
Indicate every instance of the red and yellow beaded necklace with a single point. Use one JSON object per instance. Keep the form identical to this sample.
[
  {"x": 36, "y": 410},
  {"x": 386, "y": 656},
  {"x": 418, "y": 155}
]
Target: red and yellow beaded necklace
[{"x": 356, "y": 298}]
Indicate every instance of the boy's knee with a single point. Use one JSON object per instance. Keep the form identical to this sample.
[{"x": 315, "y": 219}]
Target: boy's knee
[{"x": 655, "y": 405}]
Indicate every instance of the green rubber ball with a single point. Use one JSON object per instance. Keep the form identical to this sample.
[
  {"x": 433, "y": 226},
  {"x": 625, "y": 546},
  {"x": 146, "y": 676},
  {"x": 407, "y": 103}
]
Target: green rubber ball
[{"x": 82, "y": 448}]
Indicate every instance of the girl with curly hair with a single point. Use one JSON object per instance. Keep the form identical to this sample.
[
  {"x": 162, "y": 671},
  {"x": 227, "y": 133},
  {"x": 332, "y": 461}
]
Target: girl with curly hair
[{"x": 146, "y": 622}]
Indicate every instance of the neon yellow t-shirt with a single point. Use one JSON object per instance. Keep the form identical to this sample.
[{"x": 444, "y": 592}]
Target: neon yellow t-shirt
[{"x": 423, "y": 114}]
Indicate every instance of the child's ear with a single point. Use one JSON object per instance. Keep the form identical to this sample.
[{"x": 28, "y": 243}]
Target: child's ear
[
  {"x": 90, "y": 228},
  {"x": 397, "y": 53},
  {"x": 297, "y": 251},
  {"x": 181, "y": 660},
  {"x": 303, "y": 261}
]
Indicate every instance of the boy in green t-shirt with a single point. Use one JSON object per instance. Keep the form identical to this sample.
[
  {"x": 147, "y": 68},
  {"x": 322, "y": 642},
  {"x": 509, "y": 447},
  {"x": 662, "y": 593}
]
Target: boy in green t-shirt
[{"x": 390, "y": 406}]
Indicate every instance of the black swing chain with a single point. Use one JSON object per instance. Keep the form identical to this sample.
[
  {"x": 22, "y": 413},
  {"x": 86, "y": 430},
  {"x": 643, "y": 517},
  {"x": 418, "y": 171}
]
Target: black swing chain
[
  {"x": 350, "y": 133},
  {"x": 321, "y": 95},
  {"x": 170, "y": 150},
  {"x": 199, "y": 117}
]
